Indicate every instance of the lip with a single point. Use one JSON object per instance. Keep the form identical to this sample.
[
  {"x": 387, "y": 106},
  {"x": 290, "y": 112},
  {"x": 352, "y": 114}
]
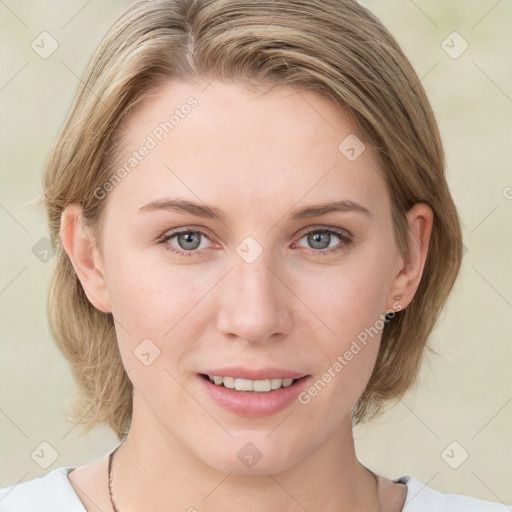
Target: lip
[
  {"x": 254, "y": 374},
  {"x": 253, "y": 404}
]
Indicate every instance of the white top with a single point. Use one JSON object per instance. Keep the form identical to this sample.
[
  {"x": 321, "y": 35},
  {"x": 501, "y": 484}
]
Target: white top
[{"x": 54, "y": 493}]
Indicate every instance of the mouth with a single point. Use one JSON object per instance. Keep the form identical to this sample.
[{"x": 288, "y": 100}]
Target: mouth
[
  {"x": 253, "y": 398},
  {"x": 251, "y": 386},
  {"x": 250, "y": 391}
]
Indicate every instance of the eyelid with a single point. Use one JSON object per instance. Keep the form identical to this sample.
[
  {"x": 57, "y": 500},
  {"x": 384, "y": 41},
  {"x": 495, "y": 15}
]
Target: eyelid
[
  {"x": 184, "y": 229},
  {"x": 339, "y": 231}
]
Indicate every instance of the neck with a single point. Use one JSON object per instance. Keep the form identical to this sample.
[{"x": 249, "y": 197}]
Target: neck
[{"x": 152, "y": 471}]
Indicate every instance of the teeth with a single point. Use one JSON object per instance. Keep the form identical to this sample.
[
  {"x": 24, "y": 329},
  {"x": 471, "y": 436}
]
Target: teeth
[
  {"x": 261, "y": 386},
  {"x": 229, "y": 382}
]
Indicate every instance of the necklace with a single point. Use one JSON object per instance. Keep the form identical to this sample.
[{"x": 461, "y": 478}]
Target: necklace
[
  {"x": 111, "y": 494},
  {"x": 110, "y": 463}
]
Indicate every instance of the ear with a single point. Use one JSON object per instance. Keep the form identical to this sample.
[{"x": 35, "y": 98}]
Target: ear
[
  {"x": 80, "y": 246},
  {"x": 410, "y": 269}
]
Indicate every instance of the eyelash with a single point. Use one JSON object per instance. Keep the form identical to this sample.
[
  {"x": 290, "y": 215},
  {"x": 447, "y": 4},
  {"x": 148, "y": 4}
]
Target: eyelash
[{"x": 346, "y": 241}]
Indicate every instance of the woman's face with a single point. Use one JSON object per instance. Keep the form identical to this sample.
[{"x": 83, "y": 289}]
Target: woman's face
[{"x": 254, "y": 286}]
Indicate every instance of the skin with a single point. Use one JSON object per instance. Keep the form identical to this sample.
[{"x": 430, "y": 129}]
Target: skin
[{"x": 257, "y": 155}]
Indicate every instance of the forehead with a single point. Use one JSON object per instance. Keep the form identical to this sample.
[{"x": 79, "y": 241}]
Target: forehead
[{"x": 261, "y": 146}]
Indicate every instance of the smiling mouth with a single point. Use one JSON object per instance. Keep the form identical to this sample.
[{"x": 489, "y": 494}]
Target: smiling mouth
[{"x": 248, "y": 385}]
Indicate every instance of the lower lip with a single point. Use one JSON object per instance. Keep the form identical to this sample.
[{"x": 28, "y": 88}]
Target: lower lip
[{"x": 253, "y": 404}]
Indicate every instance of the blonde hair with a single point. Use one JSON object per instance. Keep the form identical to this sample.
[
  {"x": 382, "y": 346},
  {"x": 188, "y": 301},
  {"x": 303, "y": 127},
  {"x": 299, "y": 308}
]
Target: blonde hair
[{"x": 335, "y": 47}]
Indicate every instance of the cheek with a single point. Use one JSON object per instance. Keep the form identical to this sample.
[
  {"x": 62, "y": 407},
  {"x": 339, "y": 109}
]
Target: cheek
[
  {"x": 151, "y": 301},
  {"x": 345, "y": 347},
  {"x": 349, "y": 303},
  {"x": 346, "y": 299},
  {"x": 148, "y": 291}
]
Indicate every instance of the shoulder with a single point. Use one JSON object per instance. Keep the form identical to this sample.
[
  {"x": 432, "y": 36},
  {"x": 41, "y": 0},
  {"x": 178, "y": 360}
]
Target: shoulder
[
  {"x": 421, "y": 498},
  {"x": 50, "y": 493}
]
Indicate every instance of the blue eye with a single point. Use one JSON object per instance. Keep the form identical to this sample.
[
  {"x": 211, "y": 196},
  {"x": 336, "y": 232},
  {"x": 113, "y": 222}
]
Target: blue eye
[
  {"x": 189, "y": 241},
  {"x": 318, "y": 238}
]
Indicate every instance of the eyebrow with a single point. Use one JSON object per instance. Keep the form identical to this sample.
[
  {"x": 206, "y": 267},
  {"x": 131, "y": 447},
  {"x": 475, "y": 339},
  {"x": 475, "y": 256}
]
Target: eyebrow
[
  {"x": 209, "y": 212},
  {"x": 182, "y": 205},
  {"x": 316, "y": 210}
]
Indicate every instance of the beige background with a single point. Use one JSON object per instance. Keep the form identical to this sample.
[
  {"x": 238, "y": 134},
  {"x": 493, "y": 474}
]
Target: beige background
[{"x": 463, "y": 396}]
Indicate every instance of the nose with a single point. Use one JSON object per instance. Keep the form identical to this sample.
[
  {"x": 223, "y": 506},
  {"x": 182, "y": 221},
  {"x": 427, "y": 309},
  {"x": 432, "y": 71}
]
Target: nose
[{"x": 255, "y": 301}]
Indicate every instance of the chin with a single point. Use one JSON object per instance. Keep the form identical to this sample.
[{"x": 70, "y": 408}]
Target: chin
[{"x": 252, "y": 454}]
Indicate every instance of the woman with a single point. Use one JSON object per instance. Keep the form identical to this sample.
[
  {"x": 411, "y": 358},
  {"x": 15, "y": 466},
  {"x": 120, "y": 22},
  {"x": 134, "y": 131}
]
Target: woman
[{"x": 255, "y": 239}]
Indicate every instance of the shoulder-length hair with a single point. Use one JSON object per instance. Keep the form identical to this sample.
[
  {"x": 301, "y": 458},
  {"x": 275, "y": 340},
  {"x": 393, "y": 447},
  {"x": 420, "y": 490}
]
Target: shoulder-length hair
[{"x": 336, "y": 47}]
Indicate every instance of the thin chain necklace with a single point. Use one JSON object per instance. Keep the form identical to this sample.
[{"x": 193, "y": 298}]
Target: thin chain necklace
[{"x": 111, "y": 494}]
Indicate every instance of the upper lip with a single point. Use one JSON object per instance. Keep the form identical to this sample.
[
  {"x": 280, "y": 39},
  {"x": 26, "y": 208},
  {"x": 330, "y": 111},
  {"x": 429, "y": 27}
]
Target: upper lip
[{"x": 254, "y": 374}]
